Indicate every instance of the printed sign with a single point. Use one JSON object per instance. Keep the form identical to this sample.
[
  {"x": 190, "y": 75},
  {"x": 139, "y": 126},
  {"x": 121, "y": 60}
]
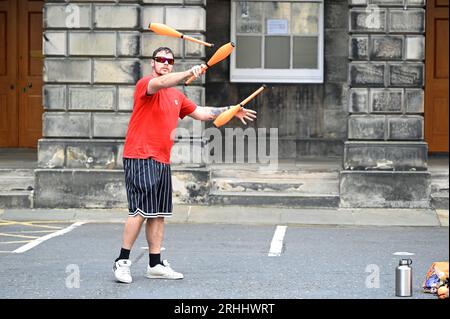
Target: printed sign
[{"x": 277, "y": 26}]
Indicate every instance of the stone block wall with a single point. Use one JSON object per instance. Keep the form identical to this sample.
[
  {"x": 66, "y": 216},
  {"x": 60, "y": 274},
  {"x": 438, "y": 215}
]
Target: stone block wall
[
  {"x": 311, "y": 118},
  {"x": 386, "y": 105},
  {"x": 95, "y": 52}
]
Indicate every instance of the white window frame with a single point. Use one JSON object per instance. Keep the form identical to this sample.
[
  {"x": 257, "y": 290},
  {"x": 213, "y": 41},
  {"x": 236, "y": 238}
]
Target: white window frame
[{"x": 278, "y": 75}]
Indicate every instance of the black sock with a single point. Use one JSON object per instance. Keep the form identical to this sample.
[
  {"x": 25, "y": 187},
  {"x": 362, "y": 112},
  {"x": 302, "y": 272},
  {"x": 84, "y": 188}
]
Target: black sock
[
  {"x": 155, "y": 259},
  {"x": 124, "y": 254}
]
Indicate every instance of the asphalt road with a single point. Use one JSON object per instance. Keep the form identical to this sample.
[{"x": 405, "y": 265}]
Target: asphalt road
[{"x": 219, "y": 261}]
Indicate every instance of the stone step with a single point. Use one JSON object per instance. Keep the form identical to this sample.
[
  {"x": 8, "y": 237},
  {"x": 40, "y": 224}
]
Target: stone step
[
  {"x": 11, "y": 172},
  {"x": 439, "y": 201},
  {"x": 16, "y": 179},
  {"x": 440, "y": 185},
  {"x": 289, "y": 171},
  {"x": 304, "y": 185},
  {"x": 287, "y": 174},
  {"x": 440, "y": 191},
  {"x": 16, "y": 199},
  {"x": 16, "y": 183},
  {"x": 274, "y": 199}
]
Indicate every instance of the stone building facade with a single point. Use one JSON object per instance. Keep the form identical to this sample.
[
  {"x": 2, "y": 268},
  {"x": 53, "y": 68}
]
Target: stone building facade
[{"x": 367, "y": 113}]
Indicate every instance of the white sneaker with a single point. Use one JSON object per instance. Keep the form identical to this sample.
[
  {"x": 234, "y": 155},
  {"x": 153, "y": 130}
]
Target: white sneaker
[
  {"x": 162, "y": 272},
  {"x": 121, "y": 269}
]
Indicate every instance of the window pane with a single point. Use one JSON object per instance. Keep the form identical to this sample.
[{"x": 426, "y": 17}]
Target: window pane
[
  {"x": 277, "y": 11},
  {"x": 249, "y": 17},
  {"x": 277, "y": 52},
  {"x": 248, "y": 52},
  {"x": 305, "y": 52},
  {"x": 305, "y": 18}
]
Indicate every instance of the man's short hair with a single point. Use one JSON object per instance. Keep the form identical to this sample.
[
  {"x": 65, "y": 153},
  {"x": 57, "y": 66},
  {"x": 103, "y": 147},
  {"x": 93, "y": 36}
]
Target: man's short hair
[{"x": 166, "y": 49}]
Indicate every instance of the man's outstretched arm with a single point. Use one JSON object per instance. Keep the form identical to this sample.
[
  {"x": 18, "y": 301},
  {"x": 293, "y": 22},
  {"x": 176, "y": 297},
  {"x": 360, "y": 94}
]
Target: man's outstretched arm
[
  {"x": 172, "y": 79},
  {"x": 207, "y": 113}
]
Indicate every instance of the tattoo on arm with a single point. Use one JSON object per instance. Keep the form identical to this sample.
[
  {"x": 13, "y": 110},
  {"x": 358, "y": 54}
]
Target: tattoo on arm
[{"x": 215, "y": 111}]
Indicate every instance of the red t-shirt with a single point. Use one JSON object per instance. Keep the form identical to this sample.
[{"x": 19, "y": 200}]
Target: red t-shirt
[{"x": 153, "y": 121}]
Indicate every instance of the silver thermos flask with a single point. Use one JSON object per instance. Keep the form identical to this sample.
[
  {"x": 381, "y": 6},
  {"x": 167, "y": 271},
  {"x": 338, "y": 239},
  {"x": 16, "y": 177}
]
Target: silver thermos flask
[{"x": 403, "y": 278}]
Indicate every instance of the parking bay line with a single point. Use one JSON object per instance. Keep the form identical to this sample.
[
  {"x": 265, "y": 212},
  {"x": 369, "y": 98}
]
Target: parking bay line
[
  {"x": 31, "y": 231},
  {"x": 4, "y": 222},
  {"x": 277, "y": 241},
  {"x": 17, "y": 235},
  {"x": 40, "y": 240}
]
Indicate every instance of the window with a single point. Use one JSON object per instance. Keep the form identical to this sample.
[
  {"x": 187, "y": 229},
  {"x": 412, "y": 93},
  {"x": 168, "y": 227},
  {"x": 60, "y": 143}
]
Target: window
[{"x": 277, "y": 41}]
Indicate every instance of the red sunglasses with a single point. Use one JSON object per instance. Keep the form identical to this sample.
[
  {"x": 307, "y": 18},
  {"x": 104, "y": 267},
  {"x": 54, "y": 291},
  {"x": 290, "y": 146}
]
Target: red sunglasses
[{"x": 161, "y": 59}]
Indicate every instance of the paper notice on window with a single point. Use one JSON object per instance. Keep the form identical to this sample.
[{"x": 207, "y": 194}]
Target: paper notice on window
[{"x": 277, "y": 26}]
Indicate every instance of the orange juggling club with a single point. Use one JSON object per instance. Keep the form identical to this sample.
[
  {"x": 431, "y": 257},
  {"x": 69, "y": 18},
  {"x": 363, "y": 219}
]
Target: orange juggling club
[
  {"x": 163, "y": 29},
  {"x": 223, "y": 52},
  {"x": 226, "y": 116}
]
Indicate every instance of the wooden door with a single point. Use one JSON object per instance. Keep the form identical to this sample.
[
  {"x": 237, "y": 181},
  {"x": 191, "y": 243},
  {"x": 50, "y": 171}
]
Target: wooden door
[
  {"x": 8, "y": 74},
  {"x": 30, "y": 72},
  {"x": 20, "y": 72},
  {"x": 436, "y": 86}
]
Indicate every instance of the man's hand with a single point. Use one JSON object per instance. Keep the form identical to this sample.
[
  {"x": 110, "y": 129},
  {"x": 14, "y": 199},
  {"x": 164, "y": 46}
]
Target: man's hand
[
  {"x": 246, "y": 114},
  {"x": 198, "y": 70}
]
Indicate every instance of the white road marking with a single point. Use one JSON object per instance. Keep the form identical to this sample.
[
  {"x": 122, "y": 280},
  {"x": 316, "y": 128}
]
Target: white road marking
[
  {"x": 40, "y": 240},
  {"x": 14, "y": 242},
  {"x": 277, "y": 241}
]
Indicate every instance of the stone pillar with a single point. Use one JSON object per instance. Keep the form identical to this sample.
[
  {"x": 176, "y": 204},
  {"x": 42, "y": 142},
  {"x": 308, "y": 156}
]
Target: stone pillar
[
  {"x": 95, "y": 52},
  {"x": 385, "y": 156}
]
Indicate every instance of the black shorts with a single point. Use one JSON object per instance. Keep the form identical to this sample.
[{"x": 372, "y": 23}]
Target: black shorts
[{"x": 149, "y": 187}]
